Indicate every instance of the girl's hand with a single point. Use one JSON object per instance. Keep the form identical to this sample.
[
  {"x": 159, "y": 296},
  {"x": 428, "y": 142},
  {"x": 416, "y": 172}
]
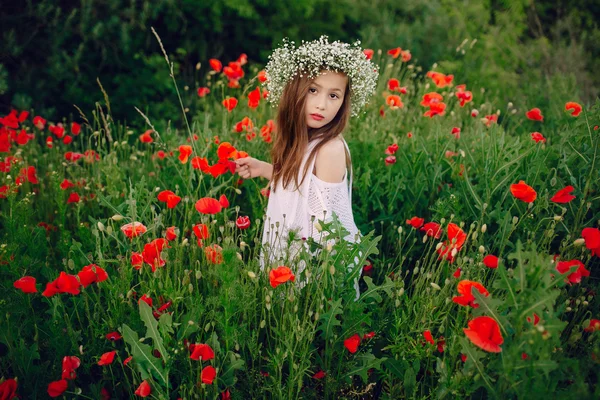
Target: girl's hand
[{"x": 249, "y": 167}]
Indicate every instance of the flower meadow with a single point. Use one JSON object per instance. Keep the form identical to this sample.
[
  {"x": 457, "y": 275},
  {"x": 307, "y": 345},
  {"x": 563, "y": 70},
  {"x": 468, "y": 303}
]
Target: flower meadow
[{"x": 129, "y": 257}]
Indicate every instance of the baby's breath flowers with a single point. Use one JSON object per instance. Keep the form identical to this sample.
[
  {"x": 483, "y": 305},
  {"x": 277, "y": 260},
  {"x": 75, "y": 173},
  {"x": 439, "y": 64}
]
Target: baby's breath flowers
[{"x": 288, "y": 61}]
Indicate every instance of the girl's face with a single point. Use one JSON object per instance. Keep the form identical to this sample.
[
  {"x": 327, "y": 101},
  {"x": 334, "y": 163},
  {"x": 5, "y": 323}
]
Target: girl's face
[{"x": 324, "y": 98}]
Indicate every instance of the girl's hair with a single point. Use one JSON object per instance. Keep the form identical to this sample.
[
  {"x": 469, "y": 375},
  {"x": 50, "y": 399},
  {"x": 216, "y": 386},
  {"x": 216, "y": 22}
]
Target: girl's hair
[{"x": 292, "y": 134}]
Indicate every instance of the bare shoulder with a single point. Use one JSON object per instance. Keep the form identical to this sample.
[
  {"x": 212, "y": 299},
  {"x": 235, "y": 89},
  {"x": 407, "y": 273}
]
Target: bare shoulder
[{"x": 330, "y": 163}]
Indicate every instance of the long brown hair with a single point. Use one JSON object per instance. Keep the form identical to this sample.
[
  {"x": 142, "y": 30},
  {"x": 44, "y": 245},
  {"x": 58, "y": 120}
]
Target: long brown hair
[{"x": 293, "y": 135}]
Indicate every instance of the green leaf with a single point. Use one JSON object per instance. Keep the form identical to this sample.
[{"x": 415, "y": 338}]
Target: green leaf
[
  {"x": 396, "y": 367},
  {"x": 365, "y": 363},
  {"x": 227, "y": 374},
  {"x": 473, "y": 362},
  {"x": 147, "y": 364},
  {"x": 152, "y": 328},
  {"x": 372, "y": 289},
  {"x": 328, "y": 320}
]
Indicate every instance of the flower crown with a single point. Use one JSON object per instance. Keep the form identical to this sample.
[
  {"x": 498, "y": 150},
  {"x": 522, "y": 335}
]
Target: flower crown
[{"x": 287, "y": 61}]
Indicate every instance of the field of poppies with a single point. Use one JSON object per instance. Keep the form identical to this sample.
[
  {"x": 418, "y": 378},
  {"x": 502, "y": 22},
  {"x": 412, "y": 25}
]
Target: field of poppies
[{"x": 129, "y": 257}]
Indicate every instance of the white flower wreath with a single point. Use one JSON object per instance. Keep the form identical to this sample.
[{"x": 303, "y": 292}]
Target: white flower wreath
[{"x": 287, "y": 61}]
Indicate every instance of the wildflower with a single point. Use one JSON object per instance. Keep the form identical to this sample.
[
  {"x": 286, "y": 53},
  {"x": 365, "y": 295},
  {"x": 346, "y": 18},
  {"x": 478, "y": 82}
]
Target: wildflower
[
  {"x": 145, "y": 137},
  {"x": 593, "y": 326},
  {"x": 538, "y": 137},
  {"x": 169, "y": 197},
  {"x": 113, "y": 336},
  {"x": 57, "y": 388},
  {"x": 466, "y": 298},
  {"x": 523, "y": 192},
  {"x": 133, "y": 229},
  {"x": 280, "y": 275},
  {"x": 574, "y": 277},
  {"x": 215, "y": 64},
  {"x": 208, "y": 205},
  {"x": 214, "y": 253},
  {"x": 564, "y": 195},
  {"x": 484, "y": 332},
  {"x": 230, "y": 103},
  {"x": 107, "y": 358},
  {"x": 184, "y": 153},
  {"x": 415, "y": 222},
  {"x": 91, "y": 274},
  {"x": 69, "y": 365},
  {"x": 535, "y": 114},
  {"x": 201, "y": 352},
  {"x": 432, "y": 229},
  {"x": 203, "y": 91},
  {"x": 592, "y": 240},
  {"x": 352, "y": 343},
  {"x": 144, "y": 390},
  {"x": 428, "y": 336},
  {"x": 574, "y": 107},
  {"x": 26, "y": 284},
  {"x": 65, "y": 283},
  {"x": 490, "y": 261},
  {"x": 243, "y": 222},
  {"x": 208, "y": 375}
]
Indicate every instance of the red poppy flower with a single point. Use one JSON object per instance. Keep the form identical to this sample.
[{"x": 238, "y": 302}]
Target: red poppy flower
[
  {"x": 145, "y": 137},
  {"x": 441, "y": 344},
  {"x": 39, "y": 122},
  {"x": 144, "y": 390},
  {"x": 214, "y": 253},
  {"x": 456, "y": 132},
  {"x": 415, "y": 222},
  {"x": 57, "y": 388},
  {"x": 151, "y": 253},
  {"x": 201, "y": 231},
  {"x": 114, "y": 336},
  {"x": 465, "y": 289},
  {"x": 65, "y": 283},
  {"x": 107, "y": 358},
  {"x": 523, "y": 192},
  {"x": 392, "y": 149},
  {"x": 574, "y": 277},
  {"x": 208, "y": 374},
  {"x": 184, "y": 153},
  {"x": 243, "y": 222},
  {"x": 395, "y": 53},
  {"x": 593, "y": 326},
  {"x": 169, "y": 197},
  {"x": 137, "y": 260},
  {"x": 536, "y": 319},
  {"x": 538, "y": 137},
  {"x": 563, "y": 195},
  {"x": 432, "y": 229},
  {"x": 352, "y": 343},
  {"x": 368, "y": 53},
  {"x": 490, "y": 261},
  {"x": 215, "y": 64},
  {"x": 8, "y": 389},
  {"x": 203, "y": 91},
  {"x": 281, "y": 275},
  {"x": 26, "y": 284},
  {"x": 92, "y": 274},
  {"x": 435, "y": 109},
  {"x": 393, "y": 84},
  {"x": 126, "y": 361},
  {"x": 171, "y": 234},
  {"x": 389, "y": 160},
  {"x": 456, "y": 273},
  {"x": 208, "y": 205},
  {"x": 75, "y": 128},
  {"x": 133, "y": 229},
  {"x": 464, "y": 96},
  {"x": 440, "y": 80},
  {"x": 254, "y": 98},
  {"x": 146, "y": 299},
  {"x": 229, "y": 103},
  {"x": 574, "y": 107},
  {"x": 69, "y": 365},
  {"x": 394, "y": 101},
  {"x": 405, "y": 55},
  {"x": 319, "y": 375},
  {"x": 484, "y": 332},
  {"x": 592, "y": 240},
  {"x": 535, "y": 114},
  {"x": 201, "y": 352},
  {"x": 428, "y": 336}
]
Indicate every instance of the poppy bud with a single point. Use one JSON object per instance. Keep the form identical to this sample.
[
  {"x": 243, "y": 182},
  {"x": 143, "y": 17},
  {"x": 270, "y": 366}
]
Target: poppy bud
[
  {"x": 515, "y": 219},
  {"x": 483, "y": 228},
  {"x": 117, "y": 217},
  {"x": 100, "y": 226},
  {"x": 435, "y": 285},
  {"x": 481, "y": 249},
  {"x": 251, "y": 274},
  {"x": 579, "y": 242},
  {"x": 262, "y": 324}
]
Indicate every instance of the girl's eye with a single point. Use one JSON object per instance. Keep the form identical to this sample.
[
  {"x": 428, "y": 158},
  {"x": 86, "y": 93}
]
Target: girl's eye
[
  {"x": 312, "y": 89},
  {"x": 333, "y": 94}
]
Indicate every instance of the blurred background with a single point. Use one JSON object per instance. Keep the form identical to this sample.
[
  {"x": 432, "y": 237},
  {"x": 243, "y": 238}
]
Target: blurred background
[{"x": 54, "y": 54}]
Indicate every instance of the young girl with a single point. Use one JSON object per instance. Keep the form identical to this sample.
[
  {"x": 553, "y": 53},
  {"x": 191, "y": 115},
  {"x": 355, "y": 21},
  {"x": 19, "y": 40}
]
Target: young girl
[{"x": 318, "y": 87}]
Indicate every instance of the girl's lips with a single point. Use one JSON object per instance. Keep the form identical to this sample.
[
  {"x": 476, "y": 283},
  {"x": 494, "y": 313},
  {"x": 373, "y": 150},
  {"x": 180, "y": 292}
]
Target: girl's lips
[{"x": 317, "y": 117}]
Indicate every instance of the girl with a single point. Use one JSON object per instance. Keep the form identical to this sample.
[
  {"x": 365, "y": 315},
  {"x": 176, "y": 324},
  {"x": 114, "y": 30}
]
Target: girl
[{"x": 318, "y": 87}]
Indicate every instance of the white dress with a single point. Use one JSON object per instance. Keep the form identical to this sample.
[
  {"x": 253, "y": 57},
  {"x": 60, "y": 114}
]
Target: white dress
[{"x": 292, "y": 210}]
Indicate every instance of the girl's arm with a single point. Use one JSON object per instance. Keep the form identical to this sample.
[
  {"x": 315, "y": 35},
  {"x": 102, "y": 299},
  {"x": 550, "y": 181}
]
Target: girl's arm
[{"x": 266, "y": 170}]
